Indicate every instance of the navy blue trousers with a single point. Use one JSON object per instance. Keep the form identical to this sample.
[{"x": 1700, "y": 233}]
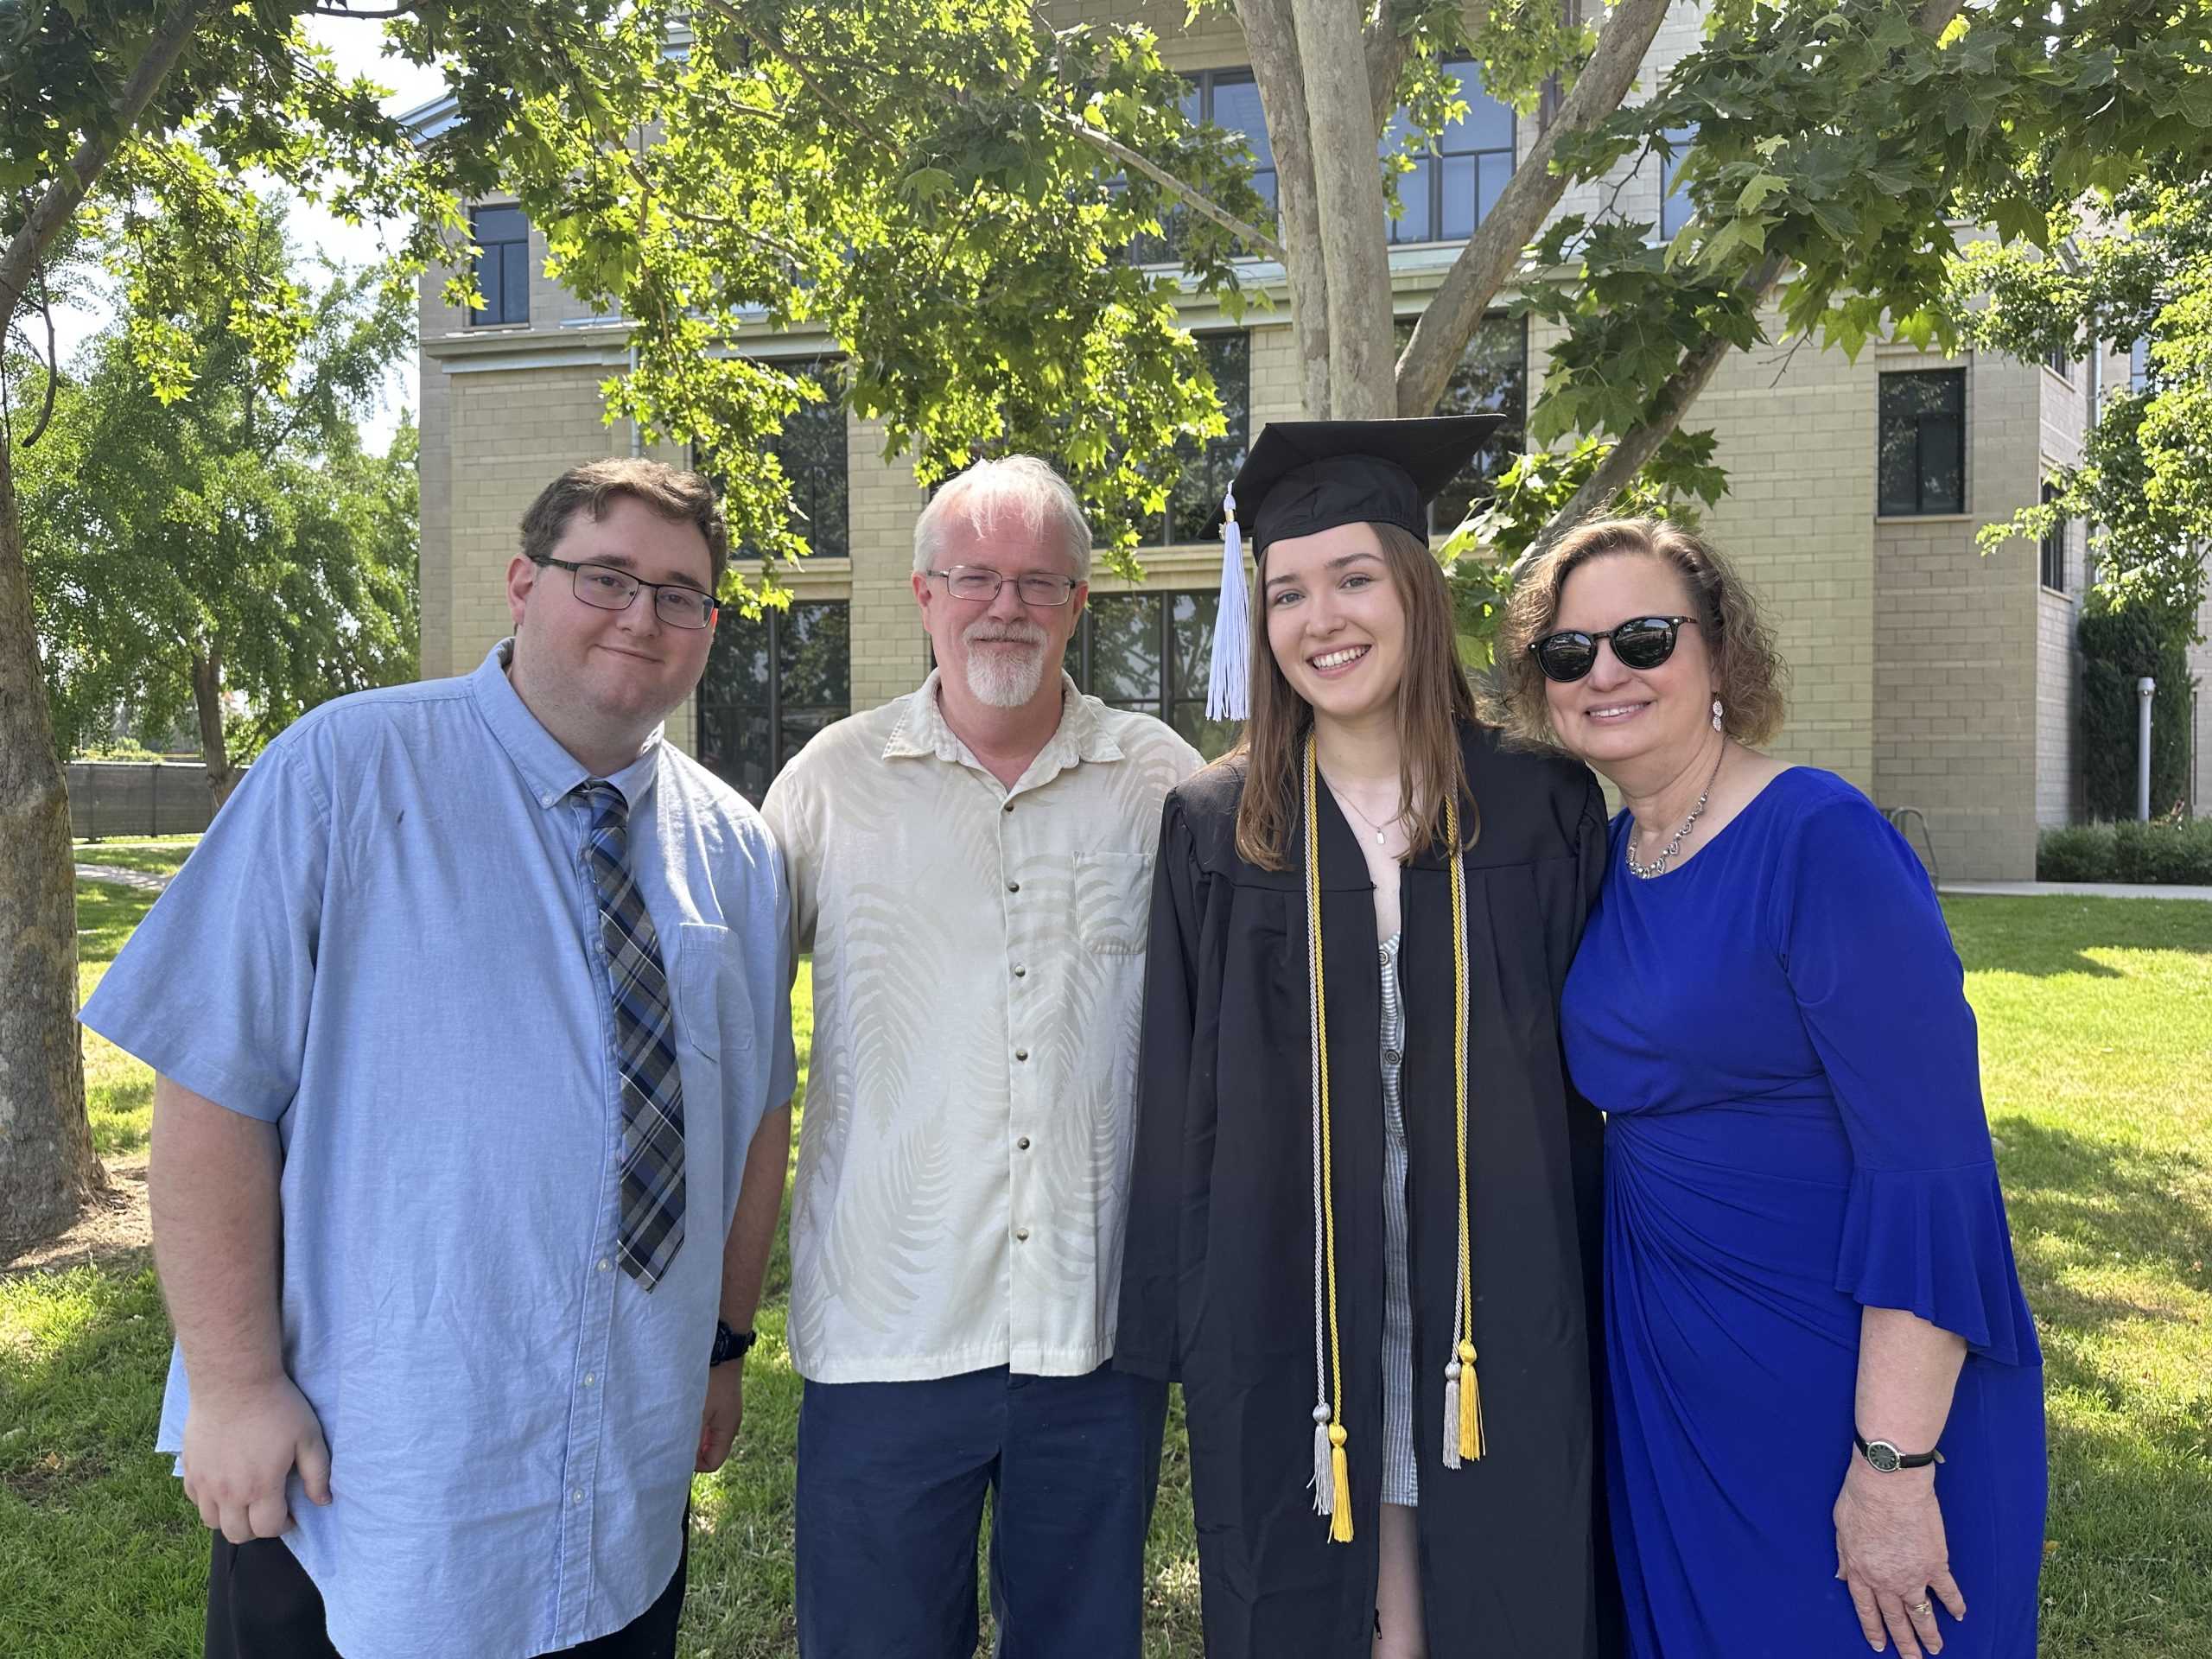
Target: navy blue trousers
[{"x": 892, "y": 1481}]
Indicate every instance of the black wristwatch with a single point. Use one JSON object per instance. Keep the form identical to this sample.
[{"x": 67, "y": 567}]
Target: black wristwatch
[
  {"x": 729, "y": 1345},
  {"x": 1885, "y": 1458}
]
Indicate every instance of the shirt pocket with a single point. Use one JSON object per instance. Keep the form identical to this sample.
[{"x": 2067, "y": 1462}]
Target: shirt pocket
[
  {"x": 1113, "y": 902},
  {"x": 713, "y": 1001}
]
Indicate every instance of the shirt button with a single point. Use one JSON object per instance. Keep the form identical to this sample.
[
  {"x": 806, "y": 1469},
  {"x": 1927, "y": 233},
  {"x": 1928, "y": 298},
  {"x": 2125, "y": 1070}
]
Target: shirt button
[
  {"x": 590, "y": 1377},
  {"x": 1021, "y": 1233},
  {"x": 1391, "y": 1055},
  {"x": 1020, "y": 971},
  {"x": 1021, "y": 1053},
  {"x": 1022, "y": 1144},
  {"x": 604, "y": 1264},
  {"x": 576, "y": 1497},
  {"x": 1008, "y": 807},
  {"x": 1013, "y": 887}
]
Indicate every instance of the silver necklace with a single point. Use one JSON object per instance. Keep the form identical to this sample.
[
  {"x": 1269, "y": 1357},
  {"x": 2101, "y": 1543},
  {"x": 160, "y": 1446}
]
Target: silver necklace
[
  {"x": 1658, "y": 866},
  {"x": 1381, "y": 836}
]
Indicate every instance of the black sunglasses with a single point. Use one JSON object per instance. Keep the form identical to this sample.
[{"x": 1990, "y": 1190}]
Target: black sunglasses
[{"x": 1640, "y": 642}]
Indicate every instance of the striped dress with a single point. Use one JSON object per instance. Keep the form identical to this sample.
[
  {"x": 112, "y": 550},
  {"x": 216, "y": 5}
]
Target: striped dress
[{"x": 1400, "y": 1479}]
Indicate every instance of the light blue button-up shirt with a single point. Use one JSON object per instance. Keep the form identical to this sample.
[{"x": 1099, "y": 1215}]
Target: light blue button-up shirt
[{"x": 388, "y": 945}]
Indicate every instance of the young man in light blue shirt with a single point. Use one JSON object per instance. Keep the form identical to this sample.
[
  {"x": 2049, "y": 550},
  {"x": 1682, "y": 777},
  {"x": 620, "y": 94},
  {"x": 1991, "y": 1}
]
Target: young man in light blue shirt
[{"x": 473, "y": 1044}]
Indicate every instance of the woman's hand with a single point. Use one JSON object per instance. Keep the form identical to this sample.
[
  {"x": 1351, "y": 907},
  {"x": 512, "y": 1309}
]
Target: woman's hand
[{"x": 1889, "y": 1549}]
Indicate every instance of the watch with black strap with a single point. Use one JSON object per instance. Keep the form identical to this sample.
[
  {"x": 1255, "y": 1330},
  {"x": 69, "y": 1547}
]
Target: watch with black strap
[
  {"x": 729, "y": 1345},
  {"x": 1883, "y": 1458}
]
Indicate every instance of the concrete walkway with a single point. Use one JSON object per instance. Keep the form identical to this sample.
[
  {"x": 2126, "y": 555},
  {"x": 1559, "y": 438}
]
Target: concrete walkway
[
  {"x": 115, "y": 872},
  {"x": 2077, "y": 890}
]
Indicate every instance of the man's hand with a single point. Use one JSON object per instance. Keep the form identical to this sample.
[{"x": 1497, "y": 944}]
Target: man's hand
[
  {"x": 725, "y": 1407},
  {"x": 240, "y": 1444}
]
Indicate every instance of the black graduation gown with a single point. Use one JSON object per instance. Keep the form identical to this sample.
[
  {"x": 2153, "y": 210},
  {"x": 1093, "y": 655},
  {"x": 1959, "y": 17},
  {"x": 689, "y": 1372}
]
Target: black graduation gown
[{"x": 1216, "y": 1282}]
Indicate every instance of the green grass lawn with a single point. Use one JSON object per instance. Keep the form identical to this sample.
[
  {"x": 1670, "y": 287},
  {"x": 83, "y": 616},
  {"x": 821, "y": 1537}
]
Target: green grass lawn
[{"x": 2096, "y": 1032}]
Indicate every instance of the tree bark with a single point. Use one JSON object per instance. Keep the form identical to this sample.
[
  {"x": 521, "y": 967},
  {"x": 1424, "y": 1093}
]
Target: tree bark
[
  {"x": 1271, "y": 41},
  {"x": 48, "y": 1169},
  {"x": 1348, "y": 190},
  {"x": 208, "y": 704},
  {"x": 1443, "y": 329}
]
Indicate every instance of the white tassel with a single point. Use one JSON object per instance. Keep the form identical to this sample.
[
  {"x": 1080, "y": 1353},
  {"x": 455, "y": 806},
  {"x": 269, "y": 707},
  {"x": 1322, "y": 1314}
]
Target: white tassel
[
  {"x": 1228, "y": 680},
  {"x": 1452, "y": 1415},
  {"x": 1324, "y": 1484}
]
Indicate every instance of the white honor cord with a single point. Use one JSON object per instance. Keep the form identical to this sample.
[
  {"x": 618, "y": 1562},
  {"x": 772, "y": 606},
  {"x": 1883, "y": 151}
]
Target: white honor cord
[{"x": 1324, "y": 1493}]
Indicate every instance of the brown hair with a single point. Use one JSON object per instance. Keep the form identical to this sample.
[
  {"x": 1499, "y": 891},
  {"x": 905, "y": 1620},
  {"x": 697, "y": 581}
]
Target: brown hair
[
  {"x": 679, "y": 497},
  {"x": 1747, "y": 672},
  {"x": 1433, "y": 699}
]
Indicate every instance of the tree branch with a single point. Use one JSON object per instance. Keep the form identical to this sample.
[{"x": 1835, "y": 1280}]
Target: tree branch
[
  {"x": 1254, "y": 237},
  {"x": 1442, "y": 332},
  {"x": 1663, "y": 415},
  {"x": 53, "y": 359},
  {"x": 65, "y": 195},
  {"x": 1276, "y": 68},
  {"x": 1348, "y": 193},
  {"x": 1387, "y": 46}
]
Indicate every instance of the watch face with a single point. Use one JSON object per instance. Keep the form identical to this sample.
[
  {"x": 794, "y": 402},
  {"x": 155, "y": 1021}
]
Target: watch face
[{"x": 1883, "y": 1456}]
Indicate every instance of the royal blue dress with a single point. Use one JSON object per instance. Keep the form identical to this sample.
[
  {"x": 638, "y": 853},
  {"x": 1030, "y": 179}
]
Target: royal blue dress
[{"x": 1779, "y": 1034}]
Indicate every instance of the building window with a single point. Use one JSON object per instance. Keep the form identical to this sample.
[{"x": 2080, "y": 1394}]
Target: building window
[
  {"x": 2139, "y": 366},
  {"x": 1152, "y": 653},
  {"x": 502, "y": 271},
  {"x": 1674, "y": 206},
  {"x": 1203, "y": 471},
  {"x": 1923, "y": 443},
  {"x": 772, "y": 682},
  {"x": 2054, "y": 548},
  {"x": 1458, "y": 174},
  {"x": 1492, "y": 378},
  {"x": 2059, "y": 363},
  {"x": 813, "y": 452},
  {"x": 1231, "y": 99}
]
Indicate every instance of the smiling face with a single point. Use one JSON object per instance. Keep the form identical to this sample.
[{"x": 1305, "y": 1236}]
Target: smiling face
[
  {"x": 1616, "y": 714},
  {"x": 601, "y": 680},
  {"x": 1335, "y": 622},
  {"x": 1006, "y": 653}
]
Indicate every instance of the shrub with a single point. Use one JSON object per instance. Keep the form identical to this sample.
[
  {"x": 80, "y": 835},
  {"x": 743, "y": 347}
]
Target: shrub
[
  {"x": 2120, "y": 648},
  {"x": 2164, "y": 853}
]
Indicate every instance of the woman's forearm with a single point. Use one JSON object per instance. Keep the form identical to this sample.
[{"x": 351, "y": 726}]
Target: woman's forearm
[{"x": 1907, "y": 1371}]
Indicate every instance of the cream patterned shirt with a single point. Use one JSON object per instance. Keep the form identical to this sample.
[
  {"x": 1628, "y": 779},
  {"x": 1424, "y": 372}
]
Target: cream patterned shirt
[{"x": 978, "y": 984}]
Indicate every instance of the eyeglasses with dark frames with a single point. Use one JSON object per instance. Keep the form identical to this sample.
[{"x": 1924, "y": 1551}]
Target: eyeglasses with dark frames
[
  {"x": 980, "y": 585},
  {"x": 1642, "y": 642},
  {"x": 607, "y": 589}
]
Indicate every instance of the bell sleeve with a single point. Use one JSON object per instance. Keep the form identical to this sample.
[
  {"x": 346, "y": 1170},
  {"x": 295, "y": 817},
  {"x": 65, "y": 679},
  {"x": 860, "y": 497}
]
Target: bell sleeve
[
  {"x": 1882, "y": 993},
  {"x": 1170, "y": 1178}
]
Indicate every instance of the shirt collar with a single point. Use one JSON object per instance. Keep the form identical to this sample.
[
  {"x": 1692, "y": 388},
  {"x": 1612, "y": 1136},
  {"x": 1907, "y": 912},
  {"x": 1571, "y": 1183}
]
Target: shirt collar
[
  {"x": 549, "y": 771},
  {"x": 921, "y": 733}
]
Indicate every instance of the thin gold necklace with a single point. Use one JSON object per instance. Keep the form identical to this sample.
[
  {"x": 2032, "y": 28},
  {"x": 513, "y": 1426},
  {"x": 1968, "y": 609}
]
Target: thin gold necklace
[{"x": 1382, "y": 834}]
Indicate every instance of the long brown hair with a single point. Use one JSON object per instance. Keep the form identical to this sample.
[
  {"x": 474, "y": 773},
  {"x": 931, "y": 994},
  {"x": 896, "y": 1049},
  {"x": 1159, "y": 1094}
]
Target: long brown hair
[{"x": 1433, "y": 699}]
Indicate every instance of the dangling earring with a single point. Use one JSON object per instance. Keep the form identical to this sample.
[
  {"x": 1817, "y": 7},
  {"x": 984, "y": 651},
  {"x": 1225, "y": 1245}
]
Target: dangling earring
[{"x": 1716, "y": 714}]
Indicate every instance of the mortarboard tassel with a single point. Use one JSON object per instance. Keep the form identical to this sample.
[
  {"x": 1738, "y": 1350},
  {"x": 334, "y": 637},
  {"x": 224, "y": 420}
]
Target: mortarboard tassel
[{"x": 1228, "y": 688}]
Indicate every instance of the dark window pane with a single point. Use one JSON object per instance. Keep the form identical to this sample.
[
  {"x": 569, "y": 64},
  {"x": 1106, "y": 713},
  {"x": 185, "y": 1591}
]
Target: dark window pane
[
  {"x": 738, "y": 663},
  {"x": 813, "y": 449},
  {"x": 502, "y": 269},
  {"x": 1674, "y": 207},
  {"x": 2139, "y": 366},
  {"x": 1496, "y": 167},
  {"x": 1236, "y": 106},
  {"x": 1921, "y": 442},
  {"x": 1492, "y": 378},
  {"x": 1125, "y": 648},
  {"x": 1203, "y": 474},
  {"x": 1210, "y": 738},
  {"x": 814, "y": 654},
  {"x": 2054, "y": 548},
  {"x": 798, "y": 726},
  {"x": 514, "y": 285},
  {"x": 733, "y": 746},
  {"x": 1192, "y": 664},
  {"x": 499, "y": 225}
]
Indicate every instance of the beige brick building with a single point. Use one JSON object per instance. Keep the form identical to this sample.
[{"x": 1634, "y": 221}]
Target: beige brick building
[{"x": 1939, "y": 680}]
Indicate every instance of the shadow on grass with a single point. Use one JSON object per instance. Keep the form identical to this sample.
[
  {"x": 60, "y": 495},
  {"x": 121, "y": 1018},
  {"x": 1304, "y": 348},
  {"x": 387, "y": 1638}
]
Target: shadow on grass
[
  {"x": 2102, "y": 1203},
  {"x": 2043, "y": 936}
]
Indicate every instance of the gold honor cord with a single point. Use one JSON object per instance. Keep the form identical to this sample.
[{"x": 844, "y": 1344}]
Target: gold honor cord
[
  {"x": 1339, "y": 1468},
  {"x": 1463, "y": 1408}
]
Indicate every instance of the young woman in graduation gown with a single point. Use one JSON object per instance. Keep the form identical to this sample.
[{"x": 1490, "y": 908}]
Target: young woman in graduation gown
[{"x": 1364, "y": 1222}]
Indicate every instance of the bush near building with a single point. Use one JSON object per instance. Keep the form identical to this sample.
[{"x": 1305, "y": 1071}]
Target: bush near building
[
  {"x": 2170, "y": 852},
  {"x": 2120, "y": 647}
]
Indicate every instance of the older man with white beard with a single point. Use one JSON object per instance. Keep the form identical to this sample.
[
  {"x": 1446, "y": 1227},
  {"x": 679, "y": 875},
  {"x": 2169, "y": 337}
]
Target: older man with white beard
[{"x": 971, "y": 866}]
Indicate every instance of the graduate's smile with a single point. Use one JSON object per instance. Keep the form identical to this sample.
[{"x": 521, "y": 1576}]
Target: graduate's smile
[{"x": 1340, "y": 660}]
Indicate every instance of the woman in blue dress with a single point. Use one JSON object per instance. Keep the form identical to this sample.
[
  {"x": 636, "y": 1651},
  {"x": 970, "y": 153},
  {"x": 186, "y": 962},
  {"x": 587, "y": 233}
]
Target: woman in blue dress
[{"x": 1824, "y": 1413}]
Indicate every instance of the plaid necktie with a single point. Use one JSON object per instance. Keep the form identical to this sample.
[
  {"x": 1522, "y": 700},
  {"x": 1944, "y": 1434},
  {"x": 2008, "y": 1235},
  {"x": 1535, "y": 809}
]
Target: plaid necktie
[{"x": 645, "y": 1047}]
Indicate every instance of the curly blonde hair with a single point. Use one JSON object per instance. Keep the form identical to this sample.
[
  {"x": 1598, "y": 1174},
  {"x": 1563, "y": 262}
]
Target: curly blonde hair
[{"x": 1747, "y": 668}]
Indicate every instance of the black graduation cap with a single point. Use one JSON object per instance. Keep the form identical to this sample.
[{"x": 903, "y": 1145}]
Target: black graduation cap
[{"x": 1303, "y": 477}]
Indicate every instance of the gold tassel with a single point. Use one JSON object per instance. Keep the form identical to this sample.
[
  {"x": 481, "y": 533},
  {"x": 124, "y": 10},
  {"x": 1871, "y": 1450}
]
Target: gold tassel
[
  {"x": 1470, "y": 1404},
  {"x": 1340, "y": 1478}
]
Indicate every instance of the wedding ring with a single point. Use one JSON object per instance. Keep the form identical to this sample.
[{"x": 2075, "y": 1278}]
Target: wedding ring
[{"x": 1921, "y": 1608}]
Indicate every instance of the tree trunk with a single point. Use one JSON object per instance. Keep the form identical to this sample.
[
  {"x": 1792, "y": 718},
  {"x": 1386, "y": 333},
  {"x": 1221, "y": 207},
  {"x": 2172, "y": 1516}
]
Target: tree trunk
[
  {"x": 48, "y": 1169},
  {"x": 1271, "y": 41},
  {"x": 1348, "y": 191},
  {"x": 1446, "y": 324},
  {"x": 207, "y": 703}
]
